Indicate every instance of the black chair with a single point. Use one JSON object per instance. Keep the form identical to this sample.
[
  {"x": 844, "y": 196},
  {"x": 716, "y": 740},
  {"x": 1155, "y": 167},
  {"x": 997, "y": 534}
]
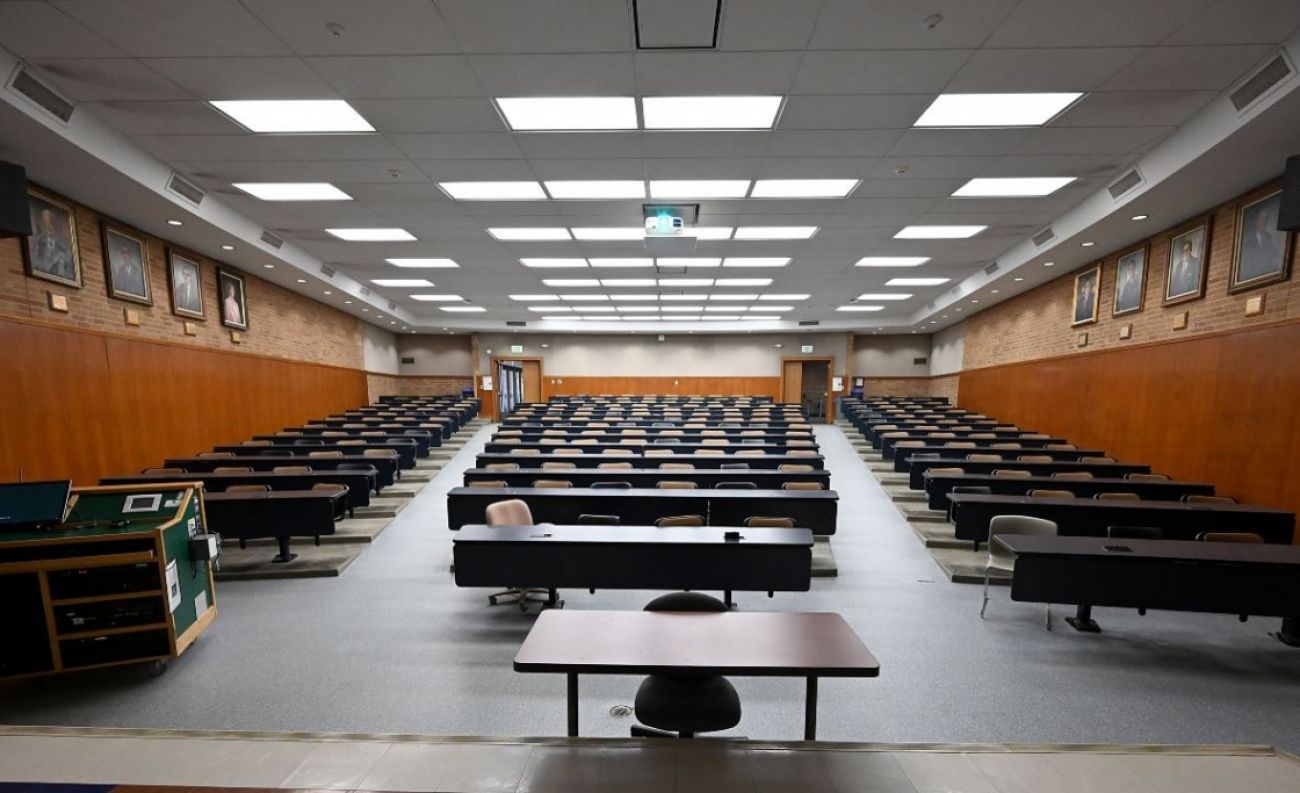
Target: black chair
[
  {"x": 586, "y": 519},
  {"x": 611, "y": 485},
  {"x": 735, "y": 486},
  {"x": 683, "y": 705},
  {"x": 733, "y": 467}
]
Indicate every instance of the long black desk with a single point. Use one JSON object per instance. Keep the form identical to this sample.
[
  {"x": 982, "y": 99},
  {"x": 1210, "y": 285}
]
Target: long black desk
[
  {"x": 1213, "y": 577},
  {"x": 874, "y": 430},
  {"x": 811, "y": 509},
  {"x": 916, "y": 474},
  {"x": 634, "y": 557},
  {"x": 768, "y": 461},
  {"x": 359, "y": 483},
  {"x": 680, "y": 448},
  {"x": 280, "y": 515},
  {"x": 902, "y": 461},
  {"x": 1089, "y": 518},
  {"x": 406, "y": 450},
  {"x": 443, "y": 429},
  {"x": 938, "y": 486},
  {"x": 652, "y": 435},
  {"x": 889, "y": 446},
  {"x": 430, "y": 437},
  {"x": 423, "y": 442},
  {"x": 385, "y": 467},
  {"x": 887, "y": 438},
  {"x": 764, "y": 479}
]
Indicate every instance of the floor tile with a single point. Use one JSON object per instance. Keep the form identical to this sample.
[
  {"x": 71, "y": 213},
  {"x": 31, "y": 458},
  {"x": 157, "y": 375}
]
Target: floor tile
[
  {"x": 336, "y": 765},
  {"x": 562, "y": 769},
  {"x": 943, "y": 772},
  {"x": 866, "y": 772},
  {"x": 788, "y": 772}
]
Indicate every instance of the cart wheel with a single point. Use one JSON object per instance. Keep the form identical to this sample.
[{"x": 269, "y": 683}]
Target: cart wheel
[{"x": 157, "y": 668}]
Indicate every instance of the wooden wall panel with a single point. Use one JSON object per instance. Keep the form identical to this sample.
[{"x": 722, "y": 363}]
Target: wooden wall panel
[
  {"x": 560, "y": 385},
  {"x": 82, "y": 405},
  {"x": 1216, "y": 408}
]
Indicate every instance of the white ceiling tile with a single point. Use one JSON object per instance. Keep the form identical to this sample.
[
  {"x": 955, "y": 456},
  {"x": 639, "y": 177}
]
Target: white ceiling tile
[
  {"x": 161, "y": 28},
  {"x": 899, "y": 24},
  {"x": 930, "y": 167},
  {"x": 36, "y": 30},
  {"x": 538, "y": 25},
  {"x": 1059, "y": 69},
  {"x": 878, "y": 111},
  {"x": 1097, "y": 23},
  {"x": 813, "y": 143},
  {"x": 431, "y": 115},
  {"x": 461, "y": 170},
  {"x": 1211, "y": 68},
  {"x": 1089, "y": 140},
  {"x": 880, "y": 72},
  {"x": 337, "y": 147},
  {"x": 164, "y": 118},
  {"x": 706, "y": 144},
  {"x": 108, "y": 80},
  {"x": 244, "y": 78},
  {"x": 220, "y": 175},
  {"x": 568, "y": 145},
  {"x": 814, "y": 167},
  {"x": 956, "y": 142},
  {"x": 444, "y": 145},
  {"x": 215, "y": 148},
  {"x": 768, "y": 24},
  {"x": 398, "y": 26},
  {"x": 398, "y": 76},
  {"x": 574, "y": 74},
  {"x": 1235, "y": 22},
  {"x": 904, "y": 187},
  {"x": 613, "y": 168},
  {"x": 1136, "y": 109},
  {"x": 1078, "y": 165},
  {"x": 702, "y": 168},
  {"x": 368, "y": 171},
  {"x": 709, "y": 73}
]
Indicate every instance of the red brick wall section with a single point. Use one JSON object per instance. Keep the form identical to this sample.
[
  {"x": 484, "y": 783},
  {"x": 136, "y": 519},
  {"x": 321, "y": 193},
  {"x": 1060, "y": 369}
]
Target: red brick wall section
[
  {"x": 1037, "y": 324},
  {"x": 413, "y": 385},
  {"x": 282, "y": 324},
  {"x": 945, "y": 385}
]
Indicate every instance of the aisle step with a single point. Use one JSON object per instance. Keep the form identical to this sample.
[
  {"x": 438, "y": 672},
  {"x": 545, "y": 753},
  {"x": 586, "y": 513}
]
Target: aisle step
[{"x": 923, "y": 514}]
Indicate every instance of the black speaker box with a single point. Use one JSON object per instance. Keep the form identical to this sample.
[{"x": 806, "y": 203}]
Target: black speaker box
[
  {"x": 15, "y": 220},
  {"x": 1288, "y": 217}
]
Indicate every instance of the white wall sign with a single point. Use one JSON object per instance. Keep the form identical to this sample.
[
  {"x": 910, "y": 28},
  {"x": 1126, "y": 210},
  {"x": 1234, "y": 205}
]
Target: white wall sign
[{"x": 807, "y": 348}]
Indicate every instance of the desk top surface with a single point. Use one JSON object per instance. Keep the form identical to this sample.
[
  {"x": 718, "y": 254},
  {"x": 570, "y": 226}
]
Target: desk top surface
[
  {"x": 1171, "y": 550},
  {"x": 1089, "y": 503},
  {"x": 771, "y": 644},
  {"x": 1065, "y": 484},
  {"x": 644, "y": 492},
  {"x": 277, "y": 495},
  {"x": 634, "y": 535}
]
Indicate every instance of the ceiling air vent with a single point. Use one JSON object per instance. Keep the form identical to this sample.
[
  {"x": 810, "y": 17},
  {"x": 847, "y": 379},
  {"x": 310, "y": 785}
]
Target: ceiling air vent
[
  {"x": 185, "y": 189},
  {"x": 392, "y": 306},
  {"x": 1263, "y": 81},
  {"x": 1045, "y": 236},
  {"x": 515, "y": 323},
  {"x": 270, "y": 239},
  {"x": 327, "y": 271},
  {"x": 365, "y": 291},
  {"x": 805, "y": 323},
  {"x": 45, "y": 97},
  {"x": 991, "y": 269},
  {"x": 1125, "y": 183},
  {"x": 676, "y": 24}
]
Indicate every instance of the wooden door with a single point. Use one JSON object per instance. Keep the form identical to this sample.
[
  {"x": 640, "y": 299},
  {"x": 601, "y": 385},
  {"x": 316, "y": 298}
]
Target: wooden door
[
  {"x": 792, "y": 381},
  {"x": 532, "y": 381}
]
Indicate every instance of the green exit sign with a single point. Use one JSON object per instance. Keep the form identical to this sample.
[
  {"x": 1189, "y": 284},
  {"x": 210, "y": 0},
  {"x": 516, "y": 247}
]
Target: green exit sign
[
  {"x": 516, "y": 348},
  {"x": 807, "y": 348}
]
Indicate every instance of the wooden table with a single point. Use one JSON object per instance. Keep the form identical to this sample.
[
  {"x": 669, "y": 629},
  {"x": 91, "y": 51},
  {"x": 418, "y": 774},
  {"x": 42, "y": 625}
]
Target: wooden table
[{"x": 733, "y": 644}]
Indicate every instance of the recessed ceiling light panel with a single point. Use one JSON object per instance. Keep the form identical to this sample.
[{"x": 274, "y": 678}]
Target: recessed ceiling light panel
[
  {"x": 539, "y": 113},
  {"x": 938, "y": 232},
  {"x": 511, "y": 234},
  {"x": 596, "y": 189},
  {"x": 401, "y": 282},
  {"x": 698, "y": 188},
  {"x": 493, "y": 191},
  {"x": 916, "y": 281},
  {"x": 423, "y": 263},
  {"x": 438, "y": 298},
  {"x": 294, "y": 115},
  {"x": 995, "y": 110},
  {"x": 372, "y": 235},
  {"x": 803, "y": 188},
  {"x": 775, "y": 232},
  {"x": 710, "y": 112},
  {"x": 1025, "y": 187},
  {"x": 293, "y": 191},
  {"x": 892, "y": 261},
  {"x": 553, "y": 263}
]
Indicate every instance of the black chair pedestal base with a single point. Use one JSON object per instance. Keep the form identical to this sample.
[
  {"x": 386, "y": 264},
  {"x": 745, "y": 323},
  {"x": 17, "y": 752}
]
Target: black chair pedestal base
[{"x": 1082, "y": 620}]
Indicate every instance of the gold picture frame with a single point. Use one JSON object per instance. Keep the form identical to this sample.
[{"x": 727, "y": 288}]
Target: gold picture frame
[
  {"x": 1087, "y": 298},
  {"x": 51, "y": 252}
]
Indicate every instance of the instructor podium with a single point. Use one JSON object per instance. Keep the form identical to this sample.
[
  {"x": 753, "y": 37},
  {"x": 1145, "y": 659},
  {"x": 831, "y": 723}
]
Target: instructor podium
[{"x": 125, "y": 578}]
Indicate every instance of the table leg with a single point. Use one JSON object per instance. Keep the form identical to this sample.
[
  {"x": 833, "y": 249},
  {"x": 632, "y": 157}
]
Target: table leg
[
  {"x": 1290, "y": 633},
  {"x": 573, "y": 704},
  {"x": 810, "y": 711},
  {"x": 1082, "y": 620}
]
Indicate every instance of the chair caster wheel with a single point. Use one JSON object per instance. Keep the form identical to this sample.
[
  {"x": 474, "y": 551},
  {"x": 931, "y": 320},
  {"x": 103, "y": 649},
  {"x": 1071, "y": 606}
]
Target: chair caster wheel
[
  {"x": 157, "y": 668},
  {"x": 492, "y": 600}
]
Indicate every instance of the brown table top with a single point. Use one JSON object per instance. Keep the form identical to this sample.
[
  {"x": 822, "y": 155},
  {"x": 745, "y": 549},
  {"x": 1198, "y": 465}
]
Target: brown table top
[{"x": 755, "y": 644}]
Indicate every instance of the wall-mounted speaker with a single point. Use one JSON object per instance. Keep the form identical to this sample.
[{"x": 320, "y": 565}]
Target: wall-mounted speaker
[
  {"x": 15, "y": 219},
  {"x": 1288, "y": 217}
]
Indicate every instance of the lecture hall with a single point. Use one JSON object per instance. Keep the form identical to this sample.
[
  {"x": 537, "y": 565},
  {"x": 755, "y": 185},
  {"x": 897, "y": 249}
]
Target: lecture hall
[{"x": 649, "y": 396}]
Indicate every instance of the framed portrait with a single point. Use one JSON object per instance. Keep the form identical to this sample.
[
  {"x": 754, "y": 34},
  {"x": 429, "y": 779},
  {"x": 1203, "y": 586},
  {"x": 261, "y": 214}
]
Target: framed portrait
[
  {"x": 1189, "y": 255},
  {"x": 126, "y": 264},
  {"x": 1130, "y": 282},
  {"x": 187, "y": 284},
  {"x": 51, "y": 252},
  {"x": 1261, "y": 254},
  {"x": 1086, "y": 286},
  {"x": 232, "y": 299}
]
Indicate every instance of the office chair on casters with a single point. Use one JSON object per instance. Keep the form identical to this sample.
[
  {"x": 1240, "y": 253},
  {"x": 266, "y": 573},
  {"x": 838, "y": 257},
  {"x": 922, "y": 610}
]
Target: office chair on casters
[
  {"x": 680, "y": 706},
  {"x": 1002, "y": 560},
  {"x": 515, "y": 512}
]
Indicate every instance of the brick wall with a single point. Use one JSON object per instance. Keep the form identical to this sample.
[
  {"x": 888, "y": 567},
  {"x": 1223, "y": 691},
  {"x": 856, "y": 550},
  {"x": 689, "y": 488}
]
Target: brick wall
[
  {"x": 1037, "y": 324},
  {"x": 945, "y": 385},
  {"x": 282, "y": 324},
  {"x": 414, "y": 385}
]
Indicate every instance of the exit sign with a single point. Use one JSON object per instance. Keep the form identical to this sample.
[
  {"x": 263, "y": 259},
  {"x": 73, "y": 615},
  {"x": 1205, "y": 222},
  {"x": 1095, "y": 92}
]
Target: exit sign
[
  {"x": 516, "y": 348},
  {"x": 807, "y": 348}
]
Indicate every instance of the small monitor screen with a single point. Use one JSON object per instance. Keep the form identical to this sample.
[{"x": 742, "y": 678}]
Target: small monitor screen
[{"x": 27, "y": 504}]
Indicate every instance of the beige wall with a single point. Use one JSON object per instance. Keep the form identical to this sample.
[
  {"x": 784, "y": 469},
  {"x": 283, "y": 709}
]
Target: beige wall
[
  {"x": 379, "y": 349},
  {"x": 947, "y": 348},
  {"x": 435, "y": 355},
  {"x": 890, "y": 356}
]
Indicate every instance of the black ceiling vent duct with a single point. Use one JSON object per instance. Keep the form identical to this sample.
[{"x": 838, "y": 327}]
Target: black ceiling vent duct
[
  {"x": 676, "y": 24},
  {"x": 327, "y": 271},
  {"x": 806, "y": 323},
  {"x": 25, "y": 84},
  {"x": 1045, "y": 236},
  {"x": 1125, "y": 183},
  {"x": 270, "y": 239},
  {"x": 1274, "y": 73},
  {"x": 991, "y": 269},
  {"x": 185, "y": 189}
]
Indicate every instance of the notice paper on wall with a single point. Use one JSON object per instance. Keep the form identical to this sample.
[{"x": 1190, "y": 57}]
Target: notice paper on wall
[
  {"x": 837, "y": 383},
  {"x": 487, "y": 383},
  {"x": 173, "y": 586}
]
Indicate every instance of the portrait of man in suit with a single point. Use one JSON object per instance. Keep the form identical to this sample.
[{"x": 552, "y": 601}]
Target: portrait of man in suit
[
  {"x": 1186, "y": 276},
  {"x": 1130, "y": 282},
  {"x": 187, "y": 288},
  {"x": 128, "y": 269},
  {"x": 1262, "y": 252},
  {"x": 51, "y": 251},
  {"x": 1085, "y": 296}
]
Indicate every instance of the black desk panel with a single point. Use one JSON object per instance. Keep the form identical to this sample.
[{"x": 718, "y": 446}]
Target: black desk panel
[
  {"x": 279, "y": 515},
  {"x": 938, "y": 487},
  {"x": 406, "y": 451},
  {"x": 916, "y": 474},
  {"x": 889, "y": 449},
  {"x": 902, "y": 462},
  {"x": 768, "y": 461},
  {"x": 359, "y": 483},
  {"x": 764, "y": 479},
  {"x": 422, "y": 442},
  {"x": 385, "y": 467},
  {"x": 680, "y": 448}
]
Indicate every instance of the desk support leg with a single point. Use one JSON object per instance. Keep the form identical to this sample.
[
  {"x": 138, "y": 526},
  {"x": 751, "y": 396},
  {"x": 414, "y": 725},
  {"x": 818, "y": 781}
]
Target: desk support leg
[
  {"x": 1082, "y": 620},
  {"x": 1290, "y": 633},
  {"x": 284, "y": 556},
  {"x": 573, "y": 704},
  {"x": 810, "y": 711}
]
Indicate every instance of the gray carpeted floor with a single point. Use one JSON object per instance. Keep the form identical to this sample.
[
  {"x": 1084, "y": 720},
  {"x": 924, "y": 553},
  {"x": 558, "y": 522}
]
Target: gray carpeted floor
[{"x": 393, "y": 646}]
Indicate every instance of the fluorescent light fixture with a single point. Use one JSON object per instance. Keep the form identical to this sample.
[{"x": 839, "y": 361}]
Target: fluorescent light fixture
[
  {"x": 293, "y": 191},
  {"x": 916, "y": 281},
  {"x": 595, "y": 309},
  {"x": 438, "y": 298},
  {"x": 743, "y": 282},
  {"x": 995, "y": 110},
  {"x": 775, "y": 232},
  {"x": 639, "y": 309},
  {"x": 551, "y": 309},
  {"x": 559, "y": 318},
  {"x": 425, "y": 263},
  {"x": 686, "y": 282},
  {"x": 803, "y": 188},
  {"x": 570, "y": 282},
  {"x": 1023, "y": 187},
  {"x": 635, "y": 296},
  {"x": 602, "y": 319},
  {"x": 553, "y": 262},
  {"x": 372, "y": 235},
  {"x": 683, "y": 318},
  {"x": 627, "y": 282},
  {"x": 707, "y": 233},
  {"x": 883, "y": 296},
  {"x": 685, "y": 298},
  {"x": 938, "y": 232},
  {"x": 771, "y": 308},
  {"x": 401, "y": 282},
  {"x": 744, "y": 298},
  {"x": 756, "y": 261},
  {"x": 689, "y": 261},
  {"x": 534, "y": 298},
  {"x": 699, "y": 188},
  {"x": 783, "y": 297},
  {"x": 761, "y": 318},
  {"x": 294, "y": 115},
  {"x": 710, "y": 112},
  {"x": 568, "y": 112},
  {"x": 580, "y": 298},
  {"x": 721, "y": 318},
  {"x": 860, "y": 308},
  {"x": 512, "y": 234},
  {"x": 463, "y": 309},
  {"x": 681, "y": 309},
  {"x": 622, "y": 262},
  {"x": 493, "y": 191},
  {"x": 723, "y": 308},
  {"x": 596, "y": 188},
  {"x": 892, "y": 261},
  {"x": 605, "y": 234}
]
